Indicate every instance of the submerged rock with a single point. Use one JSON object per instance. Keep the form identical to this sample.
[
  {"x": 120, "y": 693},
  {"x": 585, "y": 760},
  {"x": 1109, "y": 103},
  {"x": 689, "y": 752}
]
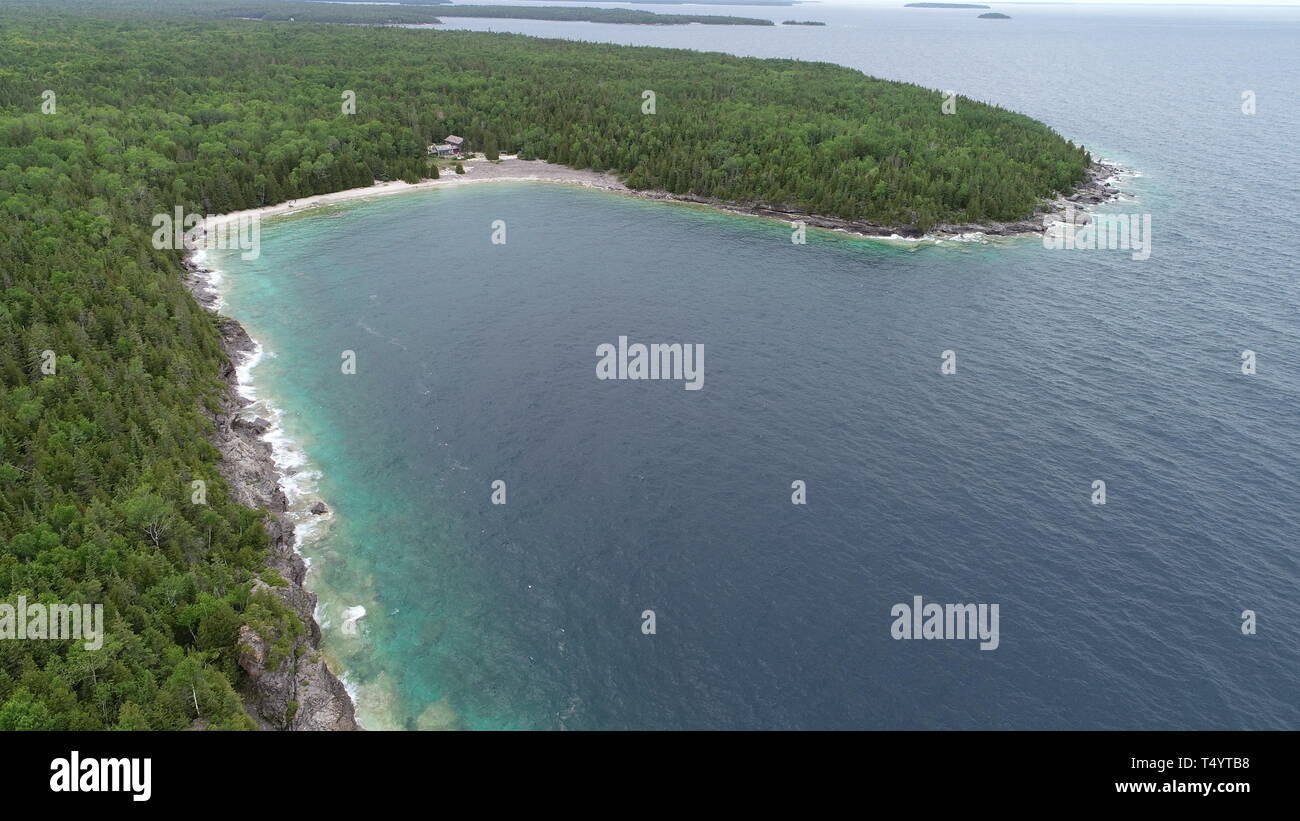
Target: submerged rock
[{"x": 351, "y": 616}]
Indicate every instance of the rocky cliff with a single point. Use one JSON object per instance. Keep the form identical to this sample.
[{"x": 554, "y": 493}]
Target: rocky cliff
[{"x": 285, "y": 691}]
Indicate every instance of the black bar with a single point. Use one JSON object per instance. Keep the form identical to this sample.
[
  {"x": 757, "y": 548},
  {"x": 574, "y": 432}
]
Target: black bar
[{"x": 332, "y": 771}]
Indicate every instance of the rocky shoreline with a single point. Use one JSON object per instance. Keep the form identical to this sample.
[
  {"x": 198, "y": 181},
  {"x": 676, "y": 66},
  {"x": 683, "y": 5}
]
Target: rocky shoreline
[
  {"x": 1094, "y": 190},
  {"x": 300, "y": 693}
]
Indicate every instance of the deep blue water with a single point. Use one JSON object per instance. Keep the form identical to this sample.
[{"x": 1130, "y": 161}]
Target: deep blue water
[{"x": 476, "y": 362}]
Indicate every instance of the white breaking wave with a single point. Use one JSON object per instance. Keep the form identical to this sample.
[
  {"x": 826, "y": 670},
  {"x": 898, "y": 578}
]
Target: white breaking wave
[
  {"x": 211, "y": 278},
  {"x": 298, "y": 478},
  {"x": 351, "y": 616}
]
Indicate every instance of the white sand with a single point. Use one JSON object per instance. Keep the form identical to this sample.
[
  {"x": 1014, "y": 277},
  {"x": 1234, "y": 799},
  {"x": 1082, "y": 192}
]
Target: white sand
[{"x": 509, "y": 169}]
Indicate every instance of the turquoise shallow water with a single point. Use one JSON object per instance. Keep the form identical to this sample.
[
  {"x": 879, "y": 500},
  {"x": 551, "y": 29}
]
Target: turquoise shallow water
[{"x": 476, "y": 362}]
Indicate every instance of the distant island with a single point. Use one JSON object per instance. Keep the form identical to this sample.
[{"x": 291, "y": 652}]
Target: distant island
[
  {"x": 801, "y": 23},
  {"x": 944, "y": 6},
  {"x": 173, "y": 108},
  {"x": 995, "y": 15}
]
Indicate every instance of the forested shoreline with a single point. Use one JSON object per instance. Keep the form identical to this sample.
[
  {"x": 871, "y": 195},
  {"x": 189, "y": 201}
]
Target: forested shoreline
[
  {"x": 595, "y": 15},
  {"x": 99, "y": 458},
  {"x": 311, "y": 12}
]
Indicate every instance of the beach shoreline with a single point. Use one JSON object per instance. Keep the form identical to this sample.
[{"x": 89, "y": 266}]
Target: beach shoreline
[
  {"x": 252, "y": 447},
  {"x": 1096, "y": 189},
  {"x": 508, "y": 169}
]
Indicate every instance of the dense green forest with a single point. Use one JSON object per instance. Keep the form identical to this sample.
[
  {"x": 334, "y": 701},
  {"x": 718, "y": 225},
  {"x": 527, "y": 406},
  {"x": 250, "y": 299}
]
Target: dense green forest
[
  {"x": 307, "y": 12},
  {"x": 149, "y": 112}
]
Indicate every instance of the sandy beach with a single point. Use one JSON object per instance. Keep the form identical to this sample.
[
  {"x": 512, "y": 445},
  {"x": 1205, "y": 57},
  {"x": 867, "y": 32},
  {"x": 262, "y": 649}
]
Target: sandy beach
[
  {"x": 1096, "y": 189},
  {"x": 507, "y": 169},
  {"x": 256, "y": 451}
]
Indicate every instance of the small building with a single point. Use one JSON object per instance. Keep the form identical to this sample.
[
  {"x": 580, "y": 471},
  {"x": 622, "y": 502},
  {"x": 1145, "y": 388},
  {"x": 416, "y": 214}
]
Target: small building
[{"x": 449, "y": 147}]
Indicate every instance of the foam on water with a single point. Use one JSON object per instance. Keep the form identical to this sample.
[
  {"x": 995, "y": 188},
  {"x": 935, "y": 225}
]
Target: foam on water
[{"x": 823, "y": 365}]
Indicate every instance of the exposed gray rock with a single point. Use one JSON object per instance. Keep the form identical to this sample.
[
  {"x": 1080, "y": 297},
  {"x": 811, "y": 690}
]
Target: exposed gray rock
[
  {"x": 257, "y": 425},
  {"x": 295, "y": 691},
  {"x": 300, "y": 692},
  {"x": 1093, "y": 190}
]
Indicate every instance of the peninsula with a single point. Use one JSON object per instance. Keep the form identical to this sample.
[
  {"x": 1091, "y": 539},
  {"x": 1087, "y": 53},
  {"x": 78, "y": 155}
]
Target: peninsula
[
  {"x": 129, "y": 473},
  {"x": 287, "y": 11}
]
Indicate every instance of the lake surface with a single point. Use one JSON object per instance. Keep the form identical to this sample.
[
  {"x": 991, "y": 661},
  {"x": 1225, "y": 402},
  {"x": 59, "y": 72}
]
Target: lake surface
[{"x": 476, "y": 362}]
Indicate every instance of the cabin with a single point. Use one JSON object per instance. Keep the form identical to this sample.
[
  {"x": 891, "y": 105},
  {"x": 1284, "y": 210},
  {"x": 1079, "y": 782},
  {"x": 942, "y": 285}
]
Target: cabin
[{"x": 449, "y": 147}]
